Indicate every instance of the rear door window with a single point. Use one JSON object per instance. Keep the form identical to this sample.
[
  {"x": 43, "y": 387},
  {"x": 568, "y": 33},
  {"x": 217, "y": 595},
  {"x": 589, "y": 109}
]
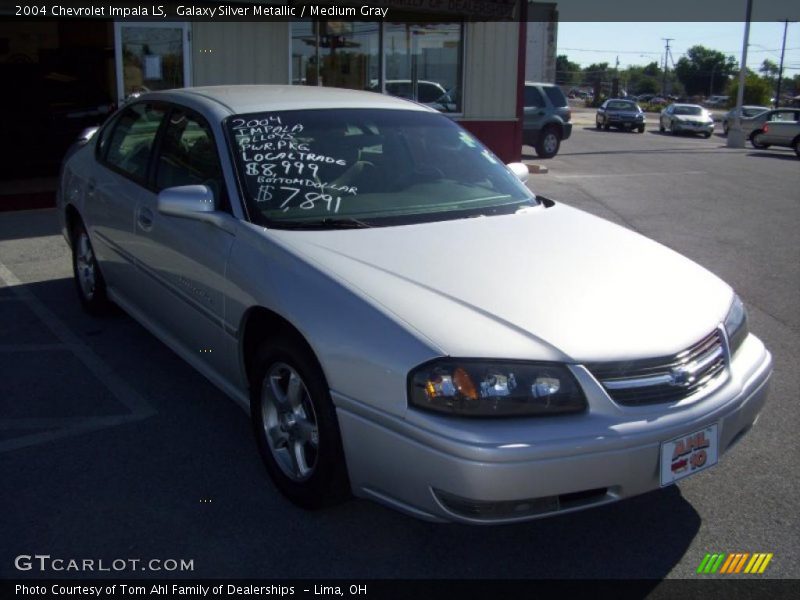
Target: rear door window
[
  {"x": 556, "y": 96},
  {"x": 534, "y": 98}
]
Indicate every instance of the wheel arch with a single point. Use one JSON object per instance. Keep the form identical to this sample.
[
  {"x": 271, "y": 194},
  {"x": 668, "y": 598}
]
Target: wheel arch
[
  {"x": 259, "y": 324},
  {"x": 72, "y": 218}
]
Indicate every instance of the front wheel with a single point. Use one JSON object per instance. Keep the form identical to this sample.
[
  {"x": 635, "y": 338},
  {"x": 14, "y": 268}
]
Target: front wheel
[
  {"x": 797, "y": 147},
  {"x": 661, "y": 127},
  {"x": 706, "y": 135},
  {"x": 89, "y": 280},
  {"x": 597, "y": 123},
  {"x": 295, "y": 425},
  {"x": 549, "y": 143},
  {"x": 641, "y": 129}
]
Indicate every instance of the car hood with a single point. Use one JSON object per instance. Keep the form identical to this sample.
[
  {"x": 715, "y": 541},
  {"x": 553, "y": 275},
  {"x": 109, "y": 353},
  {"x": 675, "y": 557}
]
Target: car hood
[{"x": 544, "y": 283}]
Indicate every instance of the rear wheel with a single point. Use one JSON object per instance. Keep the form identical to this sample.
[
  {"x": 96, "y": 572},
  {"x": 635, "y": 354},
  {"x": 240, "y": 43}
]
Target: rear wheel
[
  {"x": 89, "y": 280},
  {"x": 796, "y": 147},
  {"x": 755, "y": 140},
  {"x": 295, "y": 425},
  {"x": 549, "y": 142},
  {"x": 706, "y": 135}
]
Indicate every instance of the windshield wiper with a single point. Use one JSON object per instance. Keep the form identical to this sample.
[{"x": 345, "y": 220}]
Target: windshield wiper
[{"x": 325, "y": 223}]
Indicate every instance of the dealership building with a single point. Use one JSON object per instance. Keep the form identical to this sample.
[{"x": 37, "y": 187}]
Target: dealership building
[{"x": 71, "y": 71}]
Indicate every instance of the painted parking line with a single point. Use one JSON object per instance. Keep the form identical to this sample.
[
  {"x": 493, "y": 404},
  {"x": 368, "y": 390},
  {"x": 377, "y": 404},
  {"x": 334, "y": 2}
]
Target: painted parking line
[
  {"x": 619, "y": 175},
  {"x": 138, "y": 408}
]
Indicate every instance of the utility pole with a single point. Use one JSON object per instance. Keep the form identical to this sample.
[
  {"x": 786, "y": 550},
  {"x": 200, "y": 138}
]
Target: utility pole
[
  {"x": 664, "y": 79},
  {"x": 780, "y": 69},
  {"x": 735, "y": 133}
]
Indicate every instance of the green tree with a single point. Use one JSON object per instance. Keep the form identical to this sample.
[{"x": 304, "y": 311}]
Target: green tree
[
  {"x": 596, "y": 73},
  {"x": 757, "y": 90},
  {"x": 567, "y": 72},
  {"x": 652, "y": 69},
  {"x": 704, "y": 71}
]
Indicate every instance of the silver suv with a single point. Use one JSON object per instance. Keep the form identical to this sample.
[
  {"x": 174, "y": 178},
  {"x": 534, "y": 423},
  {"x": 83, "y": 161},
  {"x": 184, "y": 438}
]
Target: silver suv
[{"x": 546, "y": 119}]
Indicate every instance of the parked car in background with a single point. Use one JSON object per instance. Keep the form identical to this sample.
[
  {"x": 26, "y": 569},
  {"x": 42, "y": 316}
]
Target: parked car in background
[
  {"x": 748, "y": 111},
  {"x": 686, "y": 118},
  {"x": 546, "y": 118},
  {"x": 752, "y": 125},
  {"x": 717, "y": 101},
  {"x": 546, "y": 361},
  {"x": 622, "y": 114},
  {"x": 779, "y": 131},
  {"x": 429, "y": 93}
]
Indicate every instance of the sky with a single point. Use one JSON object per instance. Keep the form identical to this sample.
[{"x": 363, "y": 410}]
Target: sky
[{"x": 641, "y": 43}]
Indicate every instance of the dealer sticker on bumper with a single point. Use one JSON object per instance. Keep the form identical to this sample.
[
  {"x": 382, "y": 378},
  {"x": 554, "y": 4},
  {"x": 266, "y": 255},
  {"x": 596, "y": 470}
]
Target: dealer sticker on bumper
[{"x": 688, "y": 454}]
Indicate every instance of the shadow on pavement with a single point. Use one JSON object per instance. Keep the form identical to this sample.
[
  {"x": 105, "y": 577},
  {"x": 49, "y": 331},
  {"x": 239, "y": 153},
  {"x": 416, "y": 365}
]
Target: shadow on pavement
[
  {"x": 28, "y": 224},
  {"x": 781, "y": 154},
  {"x": 187, "y": 482}
]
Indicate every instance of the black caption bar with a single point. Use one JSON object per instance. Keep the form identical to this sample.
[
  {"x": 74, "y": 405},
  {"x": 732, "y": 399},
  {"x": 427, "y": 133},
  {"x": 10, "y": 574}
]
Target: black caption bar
[
  {"x": 469, "y": 10},
  {"x": 403, "y": 589}
]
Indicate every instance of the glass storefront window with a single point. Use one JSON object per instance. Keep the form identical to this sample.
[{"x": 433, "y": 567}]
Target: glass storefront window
[{"x": 421, "y": 61}]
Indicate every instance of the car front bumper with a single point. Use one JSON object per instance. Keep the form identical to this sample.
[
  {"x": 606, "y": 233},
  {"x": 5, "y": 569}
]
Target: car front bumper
[
  {"x": 692, "y": 128},
  {"x": 613, "y": 452}
]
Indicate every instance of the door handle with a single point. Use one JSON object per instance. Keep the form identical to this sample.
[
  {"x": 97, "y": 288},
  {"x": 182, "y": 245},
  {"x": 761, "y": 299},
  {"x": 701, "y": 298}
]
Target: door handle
[
  {"x": 145, "y": 218},
  {"x": 91, "y": 184}
]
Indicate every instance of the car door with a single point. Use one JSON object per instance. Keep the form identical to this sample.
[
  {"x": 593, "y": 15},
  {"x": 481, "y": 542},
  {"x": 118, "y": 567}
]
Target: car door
[
  {"x": 775, "y": 132},
  {"x": 535, "y": 109},
  {"x": 116, "y": 187},
  {"x": 184, "y": 259}
]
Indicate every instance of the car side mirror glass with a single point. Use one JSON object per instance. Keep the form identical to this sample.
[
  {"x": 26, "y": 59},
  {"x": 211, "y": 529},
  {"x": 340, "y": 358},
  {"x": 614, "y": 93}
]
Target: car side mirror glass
[{"x": 520, "y": 170}]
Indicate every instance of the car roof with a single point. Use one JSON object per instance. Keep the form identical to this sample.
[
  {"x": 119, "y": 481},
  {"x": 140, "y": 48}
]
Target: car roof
[
  {"x": 241, "y": 99},
  {"x": 682, "y": 104}
]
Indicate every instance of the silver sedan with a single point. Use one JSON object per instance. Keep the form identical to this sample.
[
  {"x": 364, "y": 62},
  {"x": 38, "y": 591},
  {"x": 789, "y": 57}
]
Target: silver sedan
[
  {"x": 686, "y": 118},
  {"x": 402, "y": 317}
]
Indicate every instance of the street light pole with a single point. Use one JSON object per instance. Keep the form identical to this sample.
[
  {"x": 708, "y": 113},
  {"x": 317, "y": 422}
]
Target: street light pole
[{"x": 735, "y": 134}]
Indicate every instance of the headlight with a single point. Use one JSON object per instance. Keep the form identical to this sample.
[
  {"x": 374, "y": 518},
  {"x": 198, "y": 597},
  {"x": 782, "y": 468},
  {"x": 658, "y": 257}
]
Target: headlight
[
  {"x": 486, "y": 388},
  {"x": 736, "y": 324}
]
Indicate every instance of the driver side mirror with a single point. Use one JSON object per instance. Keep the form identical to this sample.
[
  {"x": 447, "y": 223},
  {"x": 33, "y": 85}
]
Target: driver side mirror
[
  {"x": 194, "y": 202},
  {"x": 520, "y": 170}
]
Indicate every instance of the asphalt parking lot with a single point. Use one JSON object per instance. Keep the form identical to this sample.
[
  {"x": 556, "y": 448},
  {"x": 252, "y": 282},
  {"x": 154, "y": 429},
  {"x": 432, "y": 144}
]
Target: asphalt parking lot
[{"x": 112, "y": 447}]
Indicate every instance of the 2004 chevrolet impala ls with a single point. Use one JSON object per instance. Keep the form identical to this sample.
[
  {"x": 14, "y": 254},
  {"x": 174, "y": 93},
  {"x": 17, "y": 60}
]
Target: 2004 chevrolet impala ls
[{"x": 403, "y": 318}]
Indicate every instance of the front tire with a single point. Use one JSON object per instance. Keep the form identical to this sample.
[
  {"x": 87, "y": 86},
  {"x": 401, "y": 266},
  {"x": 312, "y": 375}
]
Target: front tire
[
  {"x": 549, "y": 142},
  {"x": 796, "y": 147},
  {"x": 661, "y": 127},
  {"x": 641, "y": 129},
  {"x": 89, "y": 281},
  {"x": 295, "y": 425}
]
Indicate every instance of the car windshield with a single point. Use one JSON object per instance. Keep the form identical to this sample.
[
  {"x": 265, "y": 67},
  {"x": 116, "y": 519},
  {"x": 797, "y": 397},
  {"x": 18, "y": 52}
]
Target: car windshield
[
  {"x": 619, "y": 105},
  {"x": 688, "y": 110},
  {"x": 367, "y": 167}
]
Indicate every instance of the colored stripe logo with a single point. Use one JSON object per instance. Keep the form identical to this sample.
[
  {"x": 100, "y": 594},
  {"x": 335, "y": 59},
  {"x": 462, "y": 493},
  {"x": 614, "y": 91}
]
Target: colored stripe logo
[{"x": 735, "y": 563}]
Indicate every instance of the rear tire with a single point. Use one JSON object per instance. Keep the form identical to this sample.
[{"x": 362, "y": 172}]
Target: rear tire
[
  {"x": 796, "y": 147},
  {"x": 295, "y": 425},
  {"x": 89, "y": 281},
  {"x": 706, "y": 135},
  {"x": 549, "y": 142},
  {"x": 754, "y": 141}
]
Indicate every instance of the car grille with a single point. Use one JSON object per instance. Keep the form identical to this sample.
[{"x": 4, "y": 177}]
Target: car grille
[{"x": 666, "y": 379}]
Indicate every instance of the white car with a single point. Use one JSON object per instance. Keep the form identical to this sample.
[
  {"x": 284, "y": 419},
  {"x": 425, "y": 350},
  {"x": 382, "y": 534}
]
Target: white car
[
  {"x": 686, "y": 118},
  {"x": 402, "y": 317}
]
